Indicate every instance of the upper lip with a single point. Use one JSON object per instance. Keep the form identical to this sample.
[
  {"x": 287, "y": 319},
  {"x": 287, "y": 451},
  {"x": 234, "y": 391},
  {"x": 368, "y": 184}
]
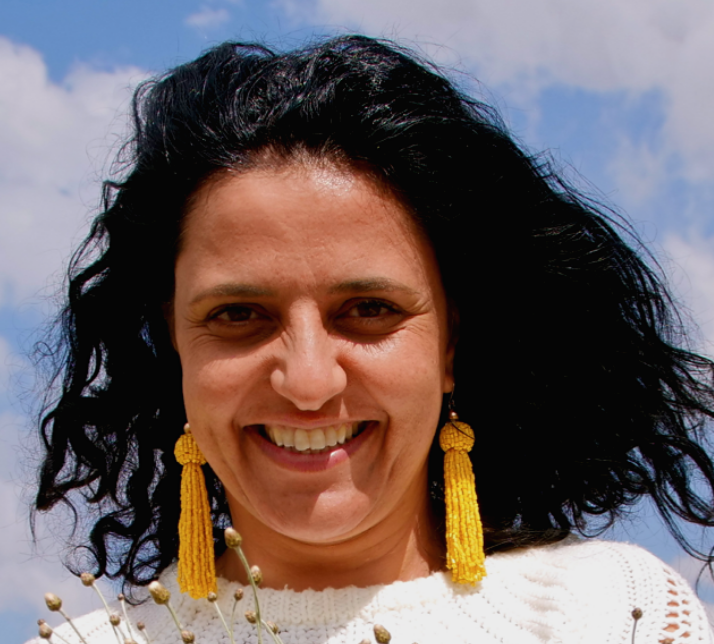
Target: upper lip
[{"x": 320, "y": 423}]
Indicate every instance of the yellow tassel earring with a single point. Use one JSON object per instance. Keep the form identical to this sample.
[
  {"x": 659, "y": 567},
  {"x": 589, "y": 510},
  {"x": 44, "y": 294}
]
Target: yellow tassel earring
[
  {"x": 196, "y": 564},
  {"x": 464, "y": 532}
]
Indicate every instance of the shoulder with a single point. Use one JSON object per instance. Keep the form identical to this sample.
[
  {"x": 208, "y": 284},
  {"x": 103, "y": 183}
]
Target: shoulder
[{"x": 608, "y": 587}]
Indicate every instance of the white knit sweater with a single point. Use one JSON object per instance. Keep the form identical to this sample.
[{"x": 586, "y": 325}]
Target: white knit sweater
[{"x": 573, "y": 592}]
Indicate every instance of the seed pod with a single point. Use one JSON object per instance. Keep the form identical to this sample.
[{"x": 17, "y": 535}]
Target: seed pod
[
  {"x": 45, "y": 631},
  {"x": 120, "y": 597},
  {"x": 238, "y": 594},
  {"x": 365, "y": 641},
  {"x": 130, "y": 642},
  {"x": 257, "y": 575},
  {"x": 251, "y": 616},
  {"x": 53, "y": 602},
  {"x": 141, "y": 626},
  {"x": 211, "y": 597},
  {"x": 637, "y": 613},
  {"x": 87, "y": 578},
  {"x": 114, "y": 620},
  {"x": 159, "y": 593},
  {"x": 272, "y": 626},
  {"x": 381, "y": 634},
  {"x": 233, "y": 538},
  {"x": 187, "y": 637}
]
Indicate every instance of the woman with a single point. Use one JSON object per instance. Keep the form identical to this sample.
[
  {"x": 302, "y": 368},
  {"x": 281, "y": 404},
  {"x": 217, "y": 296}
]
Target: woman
[{"x": 307, "y": 255}]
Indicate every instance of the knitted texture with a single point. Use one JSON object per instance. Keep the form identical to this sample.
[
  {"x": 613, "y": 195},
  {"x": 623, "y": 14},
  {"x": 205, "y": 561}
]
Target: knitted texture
[
  {"x": 464, "y": 533},
  {"x": 196, "y": 568},
  {"x": 573, "y": 592}
]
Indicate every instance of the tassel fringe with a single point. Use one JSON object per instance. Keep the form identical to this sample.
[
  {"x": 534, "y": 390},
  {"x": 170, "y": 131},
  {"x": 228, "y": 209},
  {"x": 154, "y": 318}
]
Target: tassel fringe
[
  {"x": 464, "y": 532},
  {"x": 196, "y": 564}
]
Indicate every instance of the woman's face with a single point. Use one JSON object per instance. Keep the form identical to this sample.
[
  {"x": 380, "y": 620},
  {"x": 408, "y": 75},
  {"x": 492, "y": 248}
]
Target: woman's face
[{"x": 311, "y": 324}]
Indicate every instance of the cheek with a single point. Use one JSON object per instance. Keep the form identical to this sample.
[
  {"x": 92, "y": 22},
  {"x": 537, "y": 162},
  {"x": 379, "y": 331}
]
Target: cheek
[
  {"x": 214, "y": 388},
  {"x": 409, "y": 378}
]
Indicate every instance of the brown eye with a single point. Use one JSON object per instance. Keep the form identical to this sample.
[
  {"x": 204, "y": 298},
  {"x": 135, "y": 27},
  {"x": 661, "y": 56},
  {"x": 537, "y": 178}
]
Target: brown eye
[
  {"x": 235, "y": 314},
  {"x": 374, "y": 318},
  {"x": 370, "y": 309},
  {"x": 240, "y": 322}
]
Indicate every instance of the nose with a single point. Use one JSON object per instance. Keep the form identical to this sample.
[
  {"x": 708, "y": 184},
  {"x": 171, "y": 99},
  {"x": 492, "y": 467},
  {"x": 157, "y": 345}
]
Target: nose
[{"x": 308, "y": 372}]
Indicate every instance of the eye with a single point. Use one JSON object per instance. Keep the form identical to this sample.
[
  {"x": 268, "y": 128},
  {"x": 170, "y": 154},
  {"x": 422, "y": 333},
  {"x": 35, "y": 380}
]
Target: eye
[
  {"x": 240, "y": 322},
  {"x": 370, "y": 309},
  {"x": 234, "y": 313},
  {"x": 369, "y": 318}
]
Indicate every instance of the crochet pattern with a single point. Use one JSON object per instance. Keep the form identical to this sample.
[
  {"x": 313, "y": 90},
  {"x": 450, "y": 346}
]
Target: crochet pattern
[{"x": 573, "y": 592}]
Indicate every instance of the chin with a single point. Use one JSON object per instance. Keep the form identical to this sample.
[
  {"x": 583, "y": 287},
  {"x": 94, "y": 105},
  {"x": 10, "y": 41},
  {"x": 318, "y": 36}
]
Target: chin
[{"x": 323, "y": 523}]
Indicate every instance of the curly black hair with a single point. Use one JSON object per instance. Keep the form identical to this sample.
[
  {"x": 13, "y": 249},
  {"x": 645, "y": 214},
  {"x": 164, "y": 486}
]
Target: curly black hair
[{"x": 571, "y": 361}]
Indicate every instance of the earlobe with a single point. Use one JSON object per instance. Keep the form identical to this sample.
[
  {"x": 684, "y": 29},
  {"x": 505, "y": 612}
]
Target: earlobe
[{"x": 453, "y": 321}]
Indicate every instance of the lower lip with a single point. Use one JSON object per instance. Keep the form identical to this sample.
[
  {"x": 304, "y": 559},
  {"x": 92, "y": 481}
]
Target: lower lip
[{"x": 311, "y": 462}]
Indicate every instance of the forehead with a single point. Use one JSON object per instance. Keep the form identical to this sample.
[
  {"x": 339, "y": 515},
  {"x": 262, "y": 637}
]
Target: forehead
[
  {"x": 270, "y": 190},
  {"x": 319, "y": 214}
]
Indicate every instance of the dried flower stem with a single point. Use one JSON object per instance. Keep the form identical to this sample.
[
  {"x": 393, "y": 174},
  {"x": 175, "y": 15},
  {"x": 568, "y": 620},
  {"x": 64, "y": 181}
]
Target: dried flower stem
[
  {"x": 636, "y": 616},
  {"x": 161, "y": 595},
  {"x": 144, "y": 632},
  {"x": 126, "y": 617},
  {"x": 275, "y": 636},
  {"x": 57, "y": 635},
  {"x": 223, "y": 621},
  {"x": 117, "y": 631},
  {"x": 237, "y": 596},
  {"x": 175, "y": 617},
  {"x": 71, "y": 623},
  {"x": 254, "y": 587}
]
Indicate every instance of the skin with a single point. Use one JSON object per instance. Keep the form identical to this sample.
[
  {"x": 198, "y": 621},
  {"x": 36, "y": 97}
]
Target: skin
[{"x": 305, "y": 296}]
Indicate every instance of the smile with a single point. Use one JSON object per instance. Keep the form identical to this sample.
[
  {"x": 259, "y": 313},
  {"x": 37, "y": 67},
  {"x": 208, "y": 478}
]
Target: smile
[{"x": 312, "y": 441}]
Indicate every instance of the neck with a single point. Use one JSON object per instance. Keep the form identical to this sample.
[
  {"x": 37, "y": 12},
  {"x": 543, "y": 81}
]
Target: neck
[{"x": 405, "y": 546}]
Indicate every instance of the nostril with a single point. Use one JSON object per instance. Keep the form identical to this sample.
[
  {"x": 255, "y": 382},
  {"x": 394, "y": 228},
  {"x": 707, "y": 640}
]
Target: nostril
[{"x": 309, "y": 388}]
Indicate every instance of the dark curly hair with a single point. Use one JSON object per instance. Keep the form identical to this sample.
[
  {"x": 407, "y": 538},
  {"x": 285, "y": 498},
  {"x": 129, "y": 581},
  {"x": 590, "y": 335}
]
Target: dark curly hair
[{"x": 570, "y": 358}]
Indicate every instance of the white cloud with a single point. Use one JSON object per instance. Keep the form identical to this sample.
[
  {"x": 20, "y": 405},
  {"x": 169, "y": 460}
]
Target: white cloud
[
  {"x": 691, "y": 267},
  {"x": 50, "y": 135},
  {"x": 608, "y": 46},
  {"x": 55, "y": 140},
  {"x": 207, "y": 18},
  {"x": 30, "y": 576},
  {"x": 638, "y": 170},
  {"x": 4, "y": 364}
]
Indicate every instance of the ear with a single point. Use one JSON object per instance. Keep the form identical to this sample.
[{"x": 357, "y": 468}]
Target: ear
[
  {"x": 449, "y": 370},
  {"x": 451, "y": 348}
]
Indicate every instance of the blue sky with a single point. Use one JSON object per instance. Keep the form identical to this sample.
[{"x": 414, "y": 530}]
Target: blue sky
[{"x": 619, "y": 93}]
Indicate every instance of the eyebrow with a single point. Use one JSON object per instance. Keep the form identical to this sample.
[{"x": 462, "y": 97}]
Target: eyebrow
[
  {"x": 232, "y": 290},
  {"x": 370, "y": 285}
]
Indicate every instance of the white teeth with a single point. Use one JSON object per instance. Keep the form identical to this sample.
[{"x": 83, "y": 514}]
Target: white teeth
[
  {"x": 288, "y": 437},
  {"x": 315, "y": 440},
  {"x": 302, "y": 440}
]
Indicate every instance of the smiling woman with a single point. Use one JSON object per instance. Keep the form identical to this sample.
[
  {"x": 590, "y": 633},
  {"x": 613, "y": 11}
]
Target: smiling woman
[
  {"x": 304, "y": 292},
  {"x": 307, "y": 253}
]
